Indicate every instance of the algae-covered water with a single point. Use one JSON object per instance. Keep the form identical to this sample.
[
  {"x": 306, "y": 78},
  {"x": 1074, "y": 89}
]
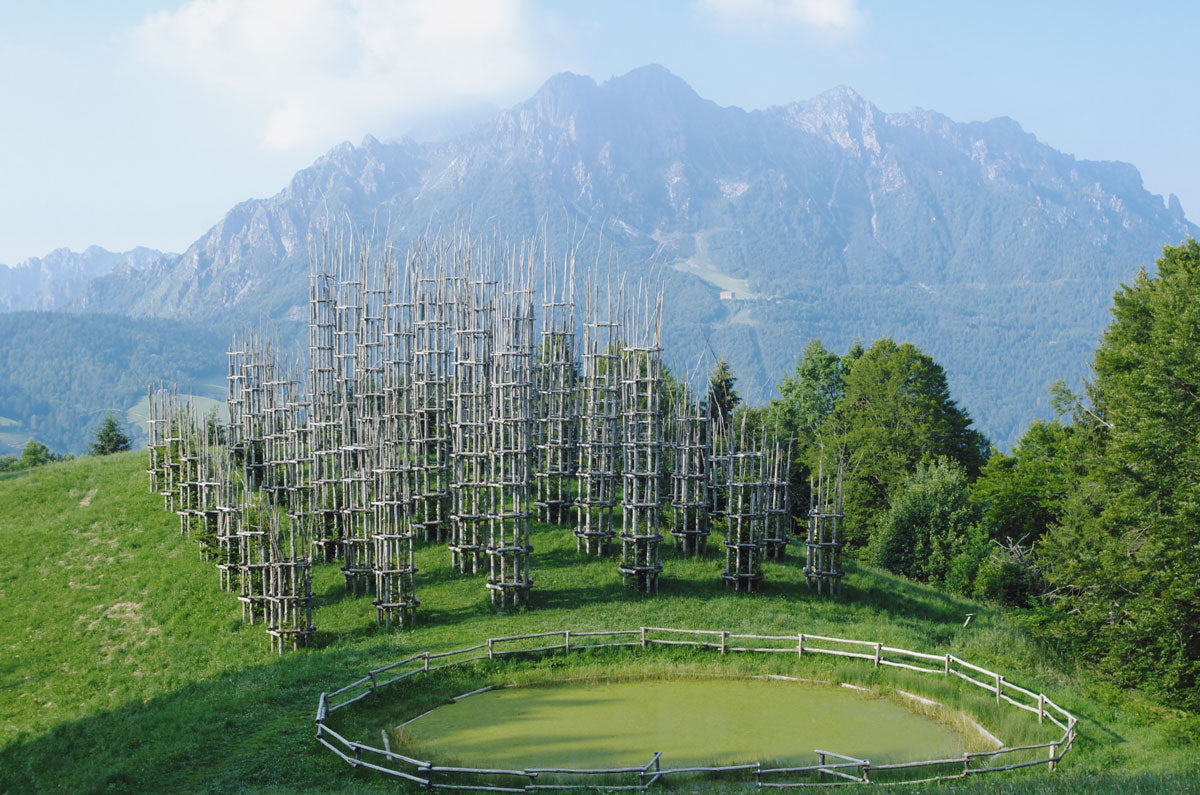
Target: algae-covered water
[{"x": 612, "y": 724}]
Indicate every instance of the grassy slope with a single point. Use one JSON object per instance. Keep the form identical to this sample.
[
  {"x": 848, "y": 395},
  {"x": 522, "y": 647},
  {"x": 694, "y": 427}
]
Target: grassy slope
[{"x": 122, "y": 665}]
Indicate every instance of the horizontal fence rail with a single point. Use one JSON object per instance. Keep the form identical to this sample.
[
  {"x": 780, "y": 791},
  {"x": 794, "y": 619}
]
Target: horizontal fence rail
[{"x": 831, "y": 769}]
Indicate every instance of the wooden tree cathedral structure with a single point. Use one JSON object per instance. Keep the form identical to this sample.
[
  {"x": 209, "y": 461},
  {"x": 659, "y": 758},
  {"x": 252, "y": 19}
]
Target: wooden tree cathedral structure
[{"x": 435, "y": 407}]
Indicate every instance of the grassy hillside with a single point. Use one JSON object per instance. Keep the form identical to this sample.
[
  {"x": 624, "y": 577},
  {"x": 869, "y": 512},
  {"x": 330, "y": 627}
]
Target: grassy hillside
[{"x": 123, "y": 666}]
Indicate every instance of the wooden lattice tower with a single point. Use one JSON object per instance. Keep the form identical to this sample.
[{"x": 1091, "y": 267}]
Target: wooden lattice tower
[
  {"x": 744, "y": 513},
  {"x": 187, "y": 478},
  {"x": 170, "y": 444},
  {"x": 359, "y": 457},
  {"x": 297, "y": 453},
  {"x": 324, "y": 419},
  {"x": 229, "y": 515},
  {"x": 347, "y": 312},
  {"x": 719, "y": 449},
  {"x": 599, "y": 424},
  {"x": 777, "y": 505},
  {"x": 252, "y": 542},
  {"x": 641, "y": 470},
  {"x": 823, "y": 565},
  {"x": 279, "y": 397},
  {"x": 431, "y": 365},
  {"x": 395, "y": 586},
  {"x": 155, "y": 419},
  {"x": 288, "y": 586},
  {"x": 690, "y": 499},
  {"x": 235, "y": 375},
  {"x": 471, "y": 491},
  {"x": 210, "y": 473},
  {"x": 510, "y": 430},
  {"x": 253, "y": 555},
  {"x": 557, "y": 427},
  {"x": 252, "y": 411}
]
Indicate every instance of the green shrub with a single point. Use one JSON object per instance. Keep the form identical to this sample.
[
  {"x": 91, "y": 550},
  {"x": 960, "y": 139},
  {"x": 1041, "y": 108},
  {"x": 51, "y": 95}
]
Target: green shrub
[{"x": 928, "y": 525}]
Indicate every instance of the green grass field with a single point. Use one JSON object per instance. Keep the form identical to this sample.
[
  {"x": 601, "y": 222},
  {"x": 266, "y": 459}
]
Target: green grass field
[{"x": 123, "y": 666}]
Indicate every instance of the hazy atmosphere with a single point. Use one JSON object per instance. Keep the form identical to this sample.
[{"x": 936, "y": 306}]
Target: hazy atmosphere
[{"x": 140, "y": 123}]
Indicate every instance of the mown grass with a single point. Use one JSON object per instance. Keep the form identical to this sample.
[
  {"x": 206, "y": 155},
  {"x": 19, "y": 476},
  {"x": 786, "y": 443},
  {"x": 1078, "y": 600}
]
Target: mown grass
[{"x": 124, "y": 667}]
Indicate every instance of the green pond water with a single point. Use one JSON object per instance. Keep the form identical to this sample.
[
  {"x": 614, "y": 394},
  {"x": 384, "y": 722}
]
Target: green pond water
[{"x": 614, "y": 724}]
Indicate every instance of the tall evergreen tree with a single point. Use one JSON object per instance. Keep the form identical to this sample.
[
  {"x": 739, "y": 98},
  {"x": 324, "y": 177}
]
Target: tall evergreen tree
[
  {"x": 722, "y": 394},
  {"x": 109, "y": 437}
]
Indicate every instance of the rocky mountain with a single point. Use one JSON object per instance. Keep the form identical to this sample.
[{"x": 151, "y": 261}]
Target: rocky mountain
[
  {"x": 53, "y": 281},
  {"x": 992, "y": 251}
]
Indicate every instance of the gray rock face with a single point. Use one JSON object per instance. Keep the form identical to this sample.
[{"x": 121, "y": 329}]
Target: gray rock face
[
  {"x": 55, "y": 280},
  {"x": 828, "y": 217}
]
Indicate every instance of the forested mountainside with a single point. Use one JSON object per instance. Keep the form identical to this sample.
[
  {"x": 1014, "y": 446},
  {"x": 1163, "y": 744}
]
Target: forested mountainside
[{"x": 60, "y": 374}]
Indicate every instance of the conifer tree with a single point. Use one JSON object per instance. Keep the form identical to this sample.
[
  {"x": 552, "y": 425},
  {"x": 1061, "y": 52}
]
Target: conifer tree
[
  {"x": 722, "y": 395},
  {"x": 109, "y": 438}
]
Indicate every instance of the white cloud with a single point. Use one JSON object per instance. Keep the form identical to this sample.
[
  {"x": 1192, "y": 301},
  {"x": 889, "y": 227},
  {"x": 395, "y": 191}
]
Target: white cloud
[
  {"x": 323, "y": 70},
  {"x": 825, "y": 16}
]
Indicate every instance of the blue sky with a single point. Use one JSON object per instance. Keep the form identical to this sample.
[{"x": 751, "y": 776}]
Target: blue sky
[{"x": 140, "y": 123}]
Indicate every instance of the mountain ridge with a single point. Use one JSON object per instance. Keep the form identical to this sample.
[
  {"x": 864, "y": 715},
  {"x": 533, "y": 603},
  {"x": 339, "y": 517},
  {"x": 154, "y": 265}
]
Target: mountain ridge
[
  {"x": 53, "y": 280},
  {"x": 824, "y": 217}
]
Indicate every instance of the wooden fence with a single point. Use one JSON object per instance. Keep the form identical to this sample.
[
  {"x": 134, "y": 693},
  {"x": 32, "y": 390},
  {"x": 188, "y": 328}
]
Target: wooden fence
[{"x": 831, "y": 768}]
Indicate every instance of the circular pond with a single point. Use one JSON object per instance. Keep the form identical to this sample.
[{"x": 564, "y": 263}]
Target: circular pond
[{"x": 691, "y": 721}]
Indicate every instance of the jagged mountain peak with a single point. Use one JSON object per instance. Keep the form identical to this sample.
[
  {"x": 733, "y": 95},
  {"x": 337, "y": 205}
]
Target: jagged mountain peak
[
  {"x": 1174, "y": 207},
  {"x": 840, "y": 115},
  {"x": 650, "y": 85}
]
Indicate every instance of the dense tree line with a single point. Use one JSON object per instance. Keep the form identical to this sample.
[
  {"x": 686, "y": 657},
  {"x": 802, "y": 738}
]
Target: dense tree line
[
  {"x": 34, "y": 454},
  {"x": 1091, "y": 524},
  {"x": 1120, "y": 550},
  {"x": 61, "y": 373}
]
